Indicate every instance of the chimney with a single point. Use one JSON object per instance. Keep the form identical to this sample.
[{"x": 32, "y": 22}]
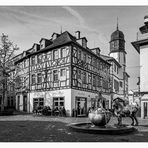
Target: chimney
[
  {"x": 77, "y": 34},
  {"x": 146, "y": 20}
]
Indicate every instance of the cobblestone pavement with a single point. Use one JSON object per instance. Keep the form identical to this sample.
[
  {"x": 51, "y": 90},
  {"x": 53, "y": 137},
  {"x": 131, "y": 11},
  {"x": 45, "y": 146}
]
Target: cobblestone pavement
[{"x": 36, "y": 128}]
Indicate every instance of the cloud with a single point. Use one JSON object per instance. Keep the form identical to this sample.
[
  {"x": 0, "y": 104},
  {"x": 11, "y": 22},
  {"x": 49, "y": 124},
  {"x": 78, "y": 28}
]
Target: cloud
[
  {"x": 75, "y": 14},
  {"x": 27, "y": 16},
  {"x": 101, "y": 36}
]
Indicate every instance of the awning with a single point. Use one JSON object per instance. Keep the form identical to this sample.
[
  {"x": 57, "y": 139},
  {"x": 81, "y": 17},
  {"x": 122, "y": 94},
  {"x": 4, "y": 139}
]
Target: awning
[
  {"x": 106, "y": 97},
  {"x": 144, "y": 97}
]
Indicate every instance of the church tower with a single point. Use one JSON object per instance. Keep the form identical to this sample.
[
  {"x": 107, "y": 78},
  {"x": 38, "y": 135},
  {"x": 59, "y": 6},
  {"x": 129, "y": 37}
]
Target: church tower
[
  {"x": 117, "y": 47},
  {"x": 117, "y": 51}
]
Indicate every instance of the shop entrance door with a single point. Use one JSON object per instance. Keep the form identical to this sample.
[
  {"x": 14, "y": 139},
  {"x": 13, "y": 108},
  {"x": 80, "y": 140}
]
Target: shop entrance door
[
  {"x": 25, "y": 103},
  {"x": 18, "y": 102},
  {"x": 145, "y": 109},
  {"x": 81, "y": 106}
]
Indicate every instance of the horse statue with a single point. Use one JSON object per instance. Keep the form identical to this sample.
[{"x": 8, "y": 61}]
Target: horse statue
[{"x": 121, "y": 110}]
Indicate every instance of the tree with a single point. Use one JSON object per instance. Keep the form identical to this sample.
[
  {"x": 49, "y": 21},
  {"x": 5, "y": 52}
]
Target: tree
[{"x": 7, "y": 53}]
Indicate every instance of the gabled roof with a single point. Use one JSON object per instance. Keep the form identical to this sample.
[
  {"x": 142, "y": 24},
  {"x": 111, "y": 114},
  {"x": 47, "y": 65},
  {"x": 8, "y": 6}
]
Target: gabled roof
[
  {"x": 62, "y": 39},
  {"x": 108, "y": 58},
  {"x": 127, "y": 74}
]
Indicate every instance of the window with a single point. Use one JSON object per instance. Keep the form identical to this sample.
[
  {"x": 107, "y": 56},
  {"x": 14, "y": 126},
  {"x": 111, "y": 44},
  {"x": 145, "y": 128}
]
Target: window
[
  {"x": 25, "y": 63},
  {"x": 124, "y": 59},
  {"x": 84, "y": 57},
  {"x": 38, "y": 102},
  {"x": 116, "y": 85},
  {"x": 93, "y": 102},
  {"x": 79, "y": 74},
  {"x": 55, "y": 54},
  {"x": 79, "y": 54},
  {"x": 33, "y": 79},
  {"x": 39, "y": 78},
  {"x": 0, "y": 100},
  {"x": 63, "y": 72},
  {"x": 39, "y": 58},
  {"x": 49, "y": 76},
  {"x": 120, "y": 84},
  {"x": 33, "y": 60},
  {"x": 84, "y": 77},
  {"x": 101, "y": 66},
  {"x": 49, "y": 56},
  {"x": 94, "y": 80},
  {"x": 63, "y": 52},
  {"x": 58, "y": 102},
  {"x": 117, "y": 70},
  {"x": 55, "y": 75},
  {"x": 115, "y": 67},
  {"x": 105, "y": 84},
  {"x": 24, "y": 81}
]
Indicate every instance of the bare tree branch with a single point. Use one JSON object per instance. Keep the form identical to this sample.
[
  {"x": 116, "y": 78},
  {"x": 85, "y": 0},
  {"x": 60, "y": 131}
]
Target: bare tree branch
[{"x": 7, "y": 49}]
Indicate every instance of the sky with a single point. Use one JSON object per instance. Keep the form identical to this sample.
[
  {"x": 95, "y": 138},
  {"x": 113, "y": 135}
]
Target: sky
[{"x": 26, "y": 25}]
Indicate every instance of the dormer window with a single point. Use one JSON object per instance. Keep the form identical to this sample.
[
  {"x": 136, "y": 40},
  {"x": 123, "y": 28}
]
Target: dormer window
[
  {"x": 42, "y": 44},
  {"x": 24, "y": 53},
  {"x": 35, "y": 47}
]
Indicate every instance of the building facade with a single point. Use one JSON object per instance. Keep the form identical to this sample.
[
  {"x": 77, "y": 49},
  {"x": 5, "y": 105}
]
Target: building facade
[
  {"x": 117, "y": 59},
  {"x": 141, "y": 46},
  {"x": 62, "y": 72},
  {"x": 7, "y": 81}
]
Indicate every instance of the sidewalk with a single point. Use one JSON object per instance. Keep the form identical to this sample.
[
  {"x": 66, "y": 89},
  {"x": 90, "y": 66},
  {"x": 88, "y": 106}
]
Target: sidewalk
[
  {"x": 19, "y": 128},
  {"x": 22, "y": 116}
]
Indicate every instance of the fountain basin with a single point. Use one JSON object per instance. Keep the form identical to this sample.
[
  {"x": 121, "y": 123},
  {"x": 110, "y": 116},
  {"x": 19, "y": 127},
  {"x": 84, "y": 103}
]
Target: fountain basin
[{"x": 107, "y": 129}]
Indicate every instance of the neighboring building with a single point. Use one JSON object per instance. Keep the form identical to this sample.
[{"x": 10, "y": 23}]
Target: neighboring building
[
  {"x": 62, "y": 71},
  {"x": 141, "y": 45},
  {"x": 9, "y": 101},
  {"x": 117, "y": 59},
  {"x": 131, "y": 97}
]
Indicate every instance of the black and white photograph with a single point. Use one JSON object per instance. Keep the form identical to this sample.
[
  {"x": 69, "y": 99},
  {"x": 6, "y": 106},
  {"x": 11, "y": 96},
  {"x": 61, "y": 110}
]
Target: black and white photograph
[{"x": 73, "y": 73}]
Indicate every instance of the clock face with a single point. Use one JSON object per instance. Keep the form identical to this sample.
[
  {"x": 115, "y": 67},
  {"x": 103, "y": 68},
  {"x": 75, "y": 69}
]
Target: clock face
[{"x": 115, "y": 45}]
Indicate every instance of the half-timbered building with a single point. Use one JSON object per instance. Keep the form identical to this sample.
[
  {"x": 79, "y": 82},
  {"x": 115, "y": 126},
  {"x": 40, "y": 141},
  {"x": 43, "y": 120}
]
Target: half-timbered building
[{"x": 62, "y": 72}]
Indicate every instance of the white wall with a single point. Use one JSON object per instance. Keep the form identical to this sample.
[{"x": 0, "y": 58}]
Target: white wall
[
  {"x": 48, "y": 98},
  {"x": 115, "y": 56},
  {"x": 144, "y": 68}
]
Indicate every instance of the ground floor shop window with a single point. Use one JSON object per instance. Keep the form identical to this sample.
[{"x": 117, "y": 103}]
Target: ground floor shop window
[
  {"x": 38, "y": 102},
  {"x": 93, "y": 103},
  {"x": 107, "y": 104},
  {"x": 81, "y": 106},
  {"x": 58, "y": 102}
]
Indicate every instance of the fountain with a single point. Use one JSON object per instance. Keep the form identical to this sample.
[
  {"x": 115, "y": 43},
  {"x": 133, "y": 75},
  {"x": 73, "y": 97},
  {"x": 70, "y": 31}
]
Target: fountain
[{"x": 99, "y": 119}]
